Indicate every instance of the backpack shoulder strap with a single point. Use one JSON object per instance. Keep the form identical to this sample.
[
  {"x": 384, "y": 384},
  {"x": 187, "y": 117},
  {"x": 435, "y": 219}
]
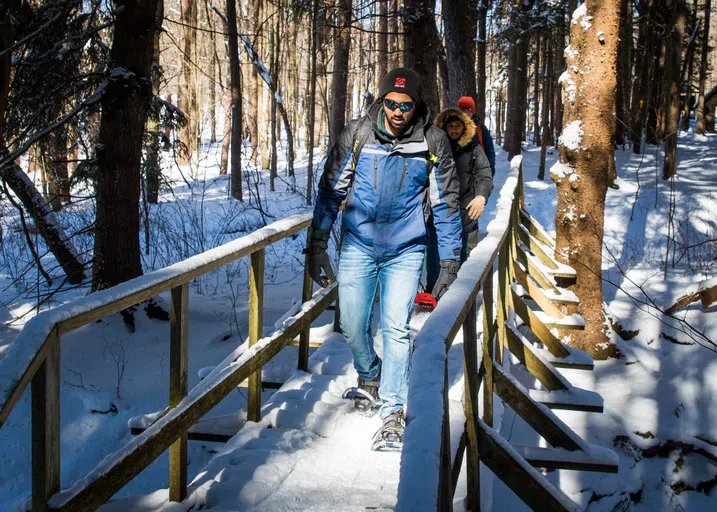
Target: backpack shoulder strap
[
  {"x": 360, "y": 138},
  {"x": 479, "y": 132}
]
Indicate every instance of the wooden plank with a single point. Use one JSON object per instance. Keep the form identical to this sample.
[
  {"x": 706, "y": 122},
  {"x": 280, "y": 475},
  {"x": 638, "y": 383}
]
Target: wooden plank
[
  {"x": 503, "y": 297},
  {"x": 445, "y": 484},
  {"x": 550, "y": 458},
  {"x": 544, "y": 280},
  {"x": 256, "y": 329},
  {"x": 544, "y": 372},
  {"x": 46, "y": 425},
  {"x": 307, "y": 289},
  {"x": 573, "y": 399},
  {"x": 458, "y": 462},
  {"x": 25, "y": 380},
  {"x": 470, "y": 406},
  {"x": 546, "y": 337},
  {"x": 111, "y": 305},
  {"x": 489, "y": 331},
  {"x": 144, "y": 449},
  {"x": 178, "y": 385},
  {"x": 536, "y": 293},
  {"x": 535, "y": 490},
  {"x": 311, "y": 344},
  {"x": 537, "y": 249},
  {"x": 535, "y": 229},
  {"x": 547, "y": 425}
]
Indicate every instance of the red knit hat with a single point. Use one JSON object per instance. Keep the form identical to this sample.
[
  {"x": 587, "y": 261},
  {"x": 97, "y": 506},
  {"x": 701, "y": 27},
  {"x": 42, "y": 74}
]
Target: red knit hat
[{"x": 467, "y": 103}]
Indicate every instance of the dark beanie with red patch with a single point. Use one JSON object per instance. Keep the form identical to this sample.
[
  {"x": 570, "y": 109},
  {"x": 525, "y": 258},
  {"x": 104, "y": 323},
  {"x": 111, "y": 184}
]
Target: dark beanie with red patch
[{"x": 402, "y": 80}]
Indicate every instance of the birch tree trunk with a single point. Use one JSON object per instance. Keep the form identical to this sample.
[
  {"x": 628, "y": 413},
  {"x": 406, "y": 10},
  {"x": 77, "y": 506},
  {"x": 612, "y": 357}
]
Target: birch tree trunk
[{"x": 585, "y": 148}]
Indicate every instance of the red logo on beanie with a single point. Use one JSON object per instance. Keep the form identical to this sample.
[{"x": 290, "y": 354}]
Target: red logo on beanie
[{"x": 400, "y": 82}]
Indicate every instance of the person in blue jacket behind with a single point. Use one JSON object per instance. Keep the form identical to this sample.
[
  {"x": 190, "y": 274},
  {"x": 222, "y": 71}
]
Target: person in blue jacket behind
[{"x": 392, "y": 168}]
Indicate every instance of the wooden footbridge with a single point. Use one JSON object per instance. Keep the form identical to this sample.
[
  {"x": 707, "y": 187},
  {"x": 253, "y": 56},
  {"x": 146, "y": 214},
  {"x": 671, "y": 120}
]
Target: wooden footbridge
[{"x": 512, "y": 274}]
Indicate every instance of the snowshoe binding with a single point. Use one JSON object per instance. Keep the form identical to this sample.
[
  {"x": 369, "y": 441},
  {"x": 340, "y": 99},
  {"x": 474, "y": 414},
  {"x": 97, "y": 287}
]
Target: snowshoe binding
[
  {"x": 389, "y": 438},
  {"x": 365, "y": 396}
]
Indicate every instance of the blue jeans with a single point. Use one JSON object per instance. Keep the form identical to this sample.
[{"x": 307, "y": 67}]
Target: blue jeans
[
  {"x": 359, "y": 275},
  {"x": 433, "y": 260}
]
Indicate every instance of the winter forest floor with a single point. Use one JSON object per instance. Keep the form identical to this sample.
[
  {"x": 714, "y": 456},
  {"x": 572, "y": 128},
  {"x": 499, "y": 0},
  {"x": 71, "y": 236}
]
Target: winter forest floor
[{"x": 661, "y": 391}]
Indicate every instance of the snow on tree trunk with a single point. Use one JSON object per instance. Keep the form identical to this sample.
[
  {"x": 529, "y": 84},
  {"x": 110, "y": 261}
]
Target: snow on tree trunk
[
  {"x": 585, "y": 146},
  {"x": 45, "y": 220},
  {"x": 119, "y": 151}
]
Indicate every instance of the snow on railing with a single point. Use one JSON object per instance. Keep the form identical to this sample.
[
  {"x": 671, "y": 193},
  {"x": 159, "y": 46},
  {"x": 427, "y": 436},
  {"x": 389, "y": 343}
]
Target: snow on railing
[
  {"x": 24, "y": 349},
  {"x": 420, "y": 477}
]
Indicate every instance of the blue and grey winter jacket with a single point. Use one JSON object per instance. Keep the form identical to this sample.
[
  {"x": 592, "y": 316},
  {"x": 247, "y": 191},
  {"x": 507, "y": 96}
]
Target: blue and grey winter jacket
[{"x": 389, "y": 189}]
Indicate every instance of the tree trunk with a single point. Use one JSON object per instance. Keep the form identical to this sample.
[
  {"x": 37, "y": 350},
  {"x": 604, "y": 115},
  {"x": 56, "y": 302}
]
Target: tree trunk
[
  {"x": 640, "y": 97},
  {"x": 383, "y": 38},
  {"x": 255, "y": 93},
  {"x": 517, "y": 93},
  {"x": 536, "y": 91},
  {"x": 585, "y": 151},
  {"x": 460, "y": 18},
  {"x": 393, "y": 41},
  {"x": 673, "y": 65},
  {"x": 236, "y": 100},
  {"x": 227, "y": 138},
  {"x": 700, "y": 126},
  {"x": 547, "y": 86},
  {"x": 153, "y": 169},
  {"x": 481, "y": 71},
  {"x": 124, "y": 113},
  {"x": 311, "y": 110},
  {"x": 54, "y": 164},
  {"x": 188, "y": 83},
  {"x": 340, "y": 75},
  {"x": 420, "y": 47},
  {"x": 622, "y": 90}
]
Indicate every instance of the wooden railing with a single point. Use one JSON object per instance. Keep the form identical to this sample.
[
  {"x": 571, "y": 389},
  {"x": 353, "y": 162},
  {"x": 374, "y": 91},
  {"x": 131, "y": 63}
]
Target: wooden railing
[
  {"x": 430, "y": 466},
  {"x": 34, "y": 357}
]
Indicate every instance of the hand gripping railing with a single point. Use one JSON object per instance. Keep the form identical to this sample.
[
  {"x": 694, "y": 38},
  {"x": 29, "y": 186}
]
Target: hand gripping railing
[{"x": 34, "y": 357}]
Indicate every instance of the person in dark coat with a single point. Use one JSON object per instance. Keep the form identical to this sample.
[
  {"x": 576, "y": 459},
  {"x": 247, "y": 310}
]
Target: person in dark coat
[
  {"x": 476, "y": 182},
  {"x": 467, "y": 105}
]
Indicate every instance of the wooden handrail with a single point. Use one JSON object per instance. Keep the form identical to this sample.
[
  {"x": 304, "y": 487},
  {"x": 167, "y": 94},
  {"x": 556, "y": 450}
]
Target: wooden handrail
[
  {"x": 423, "y": 478},
  {"x": 27, "y": 353},
  {"x": 34, "y": 357}
]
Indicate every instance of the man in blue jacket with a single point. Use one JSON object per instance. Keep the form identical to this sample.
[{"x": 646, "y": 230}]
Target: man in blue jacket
[{"x": 392, "y": 167}]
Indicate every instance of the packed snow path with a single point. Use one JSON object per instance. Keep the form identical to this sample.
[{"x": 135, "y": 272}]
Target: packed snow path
[{"x": 310, "y": 451}]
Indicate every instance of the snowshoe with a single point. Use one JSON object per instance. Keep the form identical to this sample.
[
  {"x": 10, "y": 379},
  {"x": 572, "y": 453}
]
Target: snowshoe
[
  {"x": 365, "y": 396},
  {"x": 389, "y": 438}
]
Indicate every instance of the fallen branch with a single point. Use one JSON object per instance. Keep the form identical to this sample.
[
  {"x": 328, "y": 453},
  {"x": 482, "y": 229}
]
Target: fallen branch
[{"x": 706, "y": 293}]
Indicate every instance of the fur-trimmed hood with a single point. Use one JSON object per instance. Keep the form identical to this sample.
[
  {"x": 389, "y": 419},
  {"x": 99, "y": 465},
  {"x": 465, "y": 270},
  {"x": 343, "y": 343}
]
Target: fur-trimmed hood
[{"x": 470, "y": 131}]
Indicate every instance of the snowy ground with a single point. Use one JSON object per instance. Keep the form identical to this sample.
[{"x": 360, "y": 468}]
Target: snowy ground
[{"x": 315, "y": 456}]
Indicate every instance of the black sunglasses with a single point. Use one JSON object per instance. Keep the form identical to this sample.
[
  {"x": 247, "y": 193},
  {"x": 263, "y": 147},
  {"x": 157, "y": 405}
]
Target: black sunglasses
[{"x": 392, "y": 105}]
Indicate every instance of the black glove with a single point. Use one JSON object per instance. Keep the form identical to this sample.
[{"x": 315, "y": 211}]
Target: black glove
[
  {"x": 449, "y": 271},
  {"x": 318, "y": 260}
]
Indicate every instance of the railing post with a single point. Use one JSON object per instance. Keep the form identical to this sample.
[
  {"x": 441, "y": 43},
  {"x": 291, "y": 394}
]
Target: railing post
[
  {"x": 178, "y": 385},
  {"x": 503, "y": 294},
  {"x": 256, "y": 329},
  {"x": 46, "y": 425},
  {"x": 488, "y": 335},
  {"x": 445, "y": 485},
  {"x": 306, "y": 291},
  {"x": 470, "y": 371}
]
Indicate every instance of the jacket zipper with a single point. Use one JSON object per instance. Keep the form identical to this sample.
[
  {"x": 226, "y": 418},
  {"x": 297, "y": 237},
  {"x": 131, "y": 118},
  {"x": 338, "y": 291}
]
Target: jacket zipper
[
  {"x": 375, "y": 172},
  {"x": 403, "y": 175}
]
